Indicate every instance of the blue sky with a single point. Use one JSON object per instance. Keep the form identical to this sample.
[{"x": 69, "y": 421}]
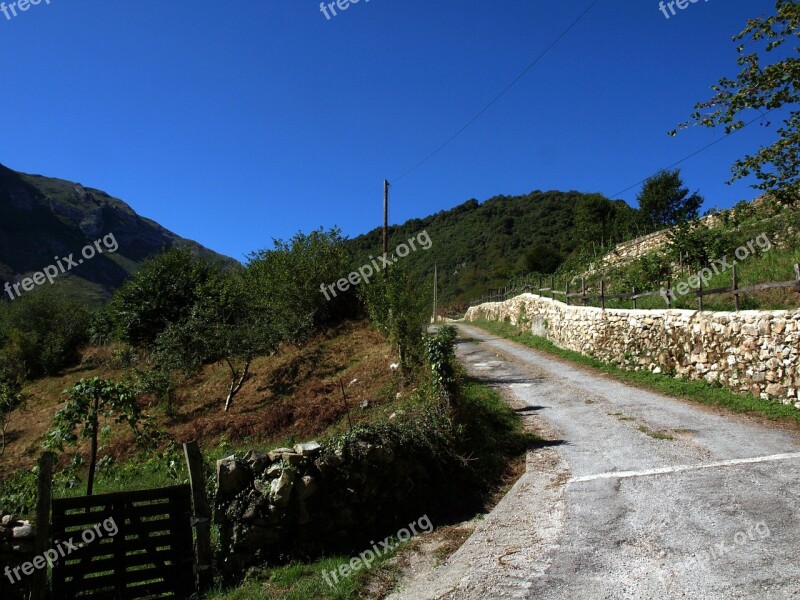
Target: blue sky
[{"x": 235, "y": 122}]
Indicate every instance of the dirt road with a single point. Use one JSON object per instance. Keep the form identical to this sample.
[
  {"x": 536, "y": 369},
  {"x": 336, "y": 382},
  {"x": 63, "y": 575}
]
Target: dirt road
[{"x": 642, "y": 496}]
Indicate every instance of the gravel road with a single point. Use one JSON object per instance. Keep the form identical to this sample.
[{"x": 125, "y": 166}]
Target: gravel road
[{"x": 641, "y": 496}]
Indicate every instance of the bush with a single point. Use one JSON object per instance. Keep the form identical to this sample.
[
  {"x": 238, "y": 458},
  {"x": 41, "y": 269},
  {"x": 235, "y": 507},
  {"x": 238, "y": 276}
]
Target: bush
[{"x": 40, "y": 333}]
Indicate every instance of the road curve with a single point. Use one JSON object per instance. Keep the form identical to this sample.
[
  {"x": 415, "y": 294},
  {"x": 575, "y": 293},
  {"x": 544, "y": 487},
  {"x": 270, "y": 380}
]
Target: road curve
[{"x": 644, "y": 496}]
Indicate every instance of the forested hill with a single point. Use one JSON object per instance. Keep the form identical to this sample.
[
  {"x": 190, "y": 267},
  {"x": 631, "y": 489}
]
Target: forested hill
[
  {"x": 478, "y": 245},
  {"x": 42, "y": 218}
]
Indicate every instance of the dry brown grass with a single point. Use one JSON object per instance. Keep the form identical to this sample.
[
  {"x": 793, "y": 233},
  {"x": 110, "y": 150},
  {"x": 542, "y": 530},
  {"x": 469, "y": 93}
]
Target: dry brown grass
[{"x": 292, "y": 395}]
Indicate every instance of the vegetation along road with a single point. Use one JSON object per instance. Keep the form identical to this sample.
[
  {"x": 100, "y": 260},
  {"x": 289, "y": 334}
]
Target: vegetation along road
[{"x": 638, "y": 495}]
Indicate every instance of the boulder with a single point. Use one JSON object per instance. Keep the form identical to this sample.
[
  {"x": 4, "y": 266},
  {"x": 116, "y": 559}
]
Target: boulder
[{"x": 232, "y": 476}]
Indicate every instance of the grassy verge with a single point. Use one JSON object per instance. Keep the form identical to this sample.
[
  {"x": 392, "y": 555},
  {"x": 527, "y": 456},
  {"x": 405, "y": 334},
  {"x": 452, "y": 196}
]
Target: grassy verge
[
  {"x": 696, "y": 391},
  {"x": 299, "y": 581},
  {"x": 497, "y": 438}
]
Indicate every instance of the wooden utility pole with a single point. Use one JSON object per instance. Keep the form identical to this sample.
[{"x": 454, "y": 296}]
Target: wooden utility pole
[
  {"x": 385, "y": 218},
  {"x": 435, "y": 288}
]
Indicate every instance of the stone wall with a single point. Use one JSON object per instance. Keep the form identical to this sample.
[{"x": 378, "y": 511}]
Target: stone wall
[
  {"x": 756, "y": 352},
  {"x": 632, "y": 249},
  {"x": 310, "y": 499},
  {"x": 17, "y": 544}
]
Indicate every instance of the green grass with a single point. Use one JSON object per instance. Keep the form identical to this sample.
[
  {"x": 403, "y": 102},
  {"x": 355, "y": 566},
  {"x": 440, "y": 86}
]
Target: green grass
[
  {"x": 696, "y": 391},
  {"x": 299, "y": 581},
  {"x": 658, "y": 435}
]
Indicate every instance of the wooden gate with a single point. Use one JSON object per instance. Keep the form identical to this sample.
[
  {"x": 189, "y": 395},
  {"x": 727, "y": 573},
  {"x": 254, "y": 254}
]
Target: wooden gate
[{"x": 124, "y": 546}]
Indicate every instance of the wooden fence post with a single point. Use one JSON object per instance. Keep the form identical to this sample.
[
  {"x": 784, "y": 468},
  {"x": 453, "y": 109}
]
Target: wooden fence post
[
  {"x": 735, "y": 288},
  {"x": 552, "y": 287},
  {"x": 202, "y": 516},
  {"x": 583, "y": 289},
  {"x": 669, "y": 296},
  {"x": 566, "y": 292},
  {"x": 699, "y": 292},
  {"x": 44, "y": 487},
  {"x": 633, "y": 297},
  {"x": 797, "y": 276},
  {"x": 603, "y": 294}
]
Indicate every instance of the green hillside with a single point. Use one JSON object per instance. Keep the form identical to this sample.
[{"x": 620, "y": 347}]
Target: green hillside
[
  {"x": 42, "y": 218},
  {"x": 481, "y": 245}
]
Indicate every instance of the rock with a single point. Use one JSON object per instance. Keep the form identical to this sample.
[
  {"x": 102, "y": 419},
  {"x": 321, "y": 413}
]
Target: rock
[
  {"x": 22, "y": 531},
  {"x": 307, "y": 487},
  {"x": 328, "y": 463},
  {"x": 308, "y": 449},
  {"x": 365, "y": 404},
  {"x": 274, "y": 470},
  {"x": 232, "y": 476},
  {"x": 293, "y": 459},
  {"x": 257, "y": 460},
  {"x": 7, "y": 520},
  {"x": 276, "y": 454},
  {"x": 281, "y": 488}
]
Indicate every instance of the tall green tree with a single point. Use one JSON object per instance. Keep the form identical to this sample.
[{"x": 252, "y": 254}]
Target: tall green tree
[
  {"x": 11, "y": 398},
  {"x": 41, "y": 333},
  {"x": 288, "y": 283},
  {"x": 769, "y": 80},
  {"x": 665, "y": 201},
  {"x": 161, "y": 293},
  {"x": 594, "y": 216}
]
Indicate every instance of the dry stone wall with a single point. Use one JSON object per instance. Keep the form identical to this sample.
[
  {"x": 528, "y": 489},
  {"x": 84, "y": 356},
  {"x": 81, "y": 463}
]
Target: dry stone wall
[
  {"x": 301, "y": 501},
  {"x": 17, "y": 538},
  {"x": 756, "y": 352}
]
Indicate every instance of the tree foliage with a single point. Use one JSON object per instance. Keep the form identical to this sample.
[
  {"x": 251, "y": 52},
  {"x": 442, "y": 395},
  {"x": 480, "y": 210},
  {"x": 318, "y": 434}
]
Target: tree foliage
[
  {"x": 399, "y": 310},
  {"x": 162, "y": 292},
  {"x": 41, "y": 333},
  {"x": 91, "y": 401},
  {"x": 286, "y": 282},
  {"x": 769, "y": 80},
  {"x": 11, "y": 398},
  {"x": 665, "y": 202}
]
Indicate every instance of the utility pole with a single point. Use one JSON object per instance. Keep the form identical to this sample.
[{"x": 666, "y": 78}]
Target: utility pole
[
  {"x": 385, "y": 218},
  {"x": 435, "y": 288}
]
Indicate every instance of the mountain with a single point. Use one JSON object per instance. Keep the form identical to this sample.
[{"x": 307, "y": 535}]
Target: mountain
[
  {"x": 477, "y": 246},
  {"x": 44, "y": 219}
]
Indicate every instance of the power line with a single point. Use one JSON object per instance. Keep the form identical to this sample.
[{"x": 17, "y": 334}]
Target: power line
[
  {"x": 693, "y": 154},
  {"x": 500, "y": 95}
]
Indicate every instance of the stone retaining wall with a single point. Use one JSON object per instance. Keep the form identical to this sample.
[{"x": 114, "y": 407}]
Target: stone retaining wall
[
  {"x": 17, "y": 544},
  {"x": 302, "y": 501},
  {"x": 756, "y": 352}
]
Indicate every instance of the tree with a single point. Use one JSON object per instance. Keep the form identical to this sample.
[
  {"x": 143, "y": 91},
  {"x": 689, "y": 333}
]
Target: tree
[
  {"x": 10, "y": 398},
  {"x": 162, "y": 292},
  {"x": 594, "y": 215},
  {"x": 225, "y": 324},
  {"x": 542, "y": 259},
  {"x": 665, "y": 202},
  {"x": 398, "y": 308},
  {"x": 41, "y": 333},
  {"x": 288, "y": 282},
  {"x": 763, "y": 86},
  {"x": 89, "y": 402}
]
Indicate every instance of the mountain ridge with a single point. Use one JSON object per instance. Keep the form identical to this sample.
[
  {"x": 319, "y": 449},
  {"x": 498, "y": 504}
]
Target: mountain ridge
[{"x": 44, "y": 218}]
